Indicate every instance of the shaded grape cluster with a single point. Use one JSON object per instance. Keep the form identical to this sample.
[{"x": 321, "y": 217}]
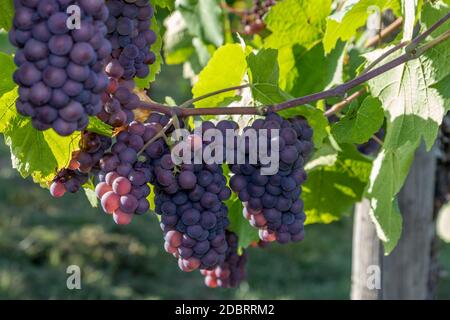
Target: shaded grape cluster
[
  {"x": 372, "y": 146},
  {"x": 67, "y": 180},
  {"x": 92, "y": 148},
  {"x": 119, "y": 101},
  {"x": 190, "y": 199},
  {"x": 253, "y": 19},
  {"x": 232, "y": 271},
  {"x": 130, "y": 36},
  {"x": 272, "y": 202},
  {"x": 126, "y": 172},
  {"x": 84, "y": 162},
  {"x": 60, "y": 68}
]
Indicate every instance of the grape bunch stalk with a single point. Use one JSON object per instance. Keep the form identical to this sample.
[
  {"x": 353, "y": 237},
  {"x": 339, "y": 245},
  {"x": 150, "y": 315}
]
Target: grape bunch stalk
[
  {"x": 60, "y": 69},
  {"x": 272, "y": 202}
]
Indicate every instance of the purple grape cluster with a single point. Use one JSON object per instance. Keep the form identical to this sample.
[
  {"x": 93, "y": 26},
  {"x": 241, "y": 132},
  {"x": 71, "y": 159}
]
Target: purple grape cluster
[
  {"x": 272, "y": 203},
  {"x": 371, "y": 147},
  {"x": 92, "y": 148},
  {"x": 119, "y": 101},
  {"x": 67, "y": 180},
  {"x": 60, "y": 69},
  {"x": 130, "y": 36},
  {"x": 232, "y": 271},
  {"x": 125, "y": 172},
  {"x": 190, "y": 199},
  {"x": 253, "y": 19},
  {"x": 84, "y": 162}
]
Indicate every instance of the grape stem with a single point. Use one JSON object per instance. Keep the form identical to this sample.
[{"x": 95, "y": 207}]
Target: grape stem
[
  {"x": 341, "y": 105},
  {"x": 412, "y": 52},
  {"x": 211, "y": 94}
]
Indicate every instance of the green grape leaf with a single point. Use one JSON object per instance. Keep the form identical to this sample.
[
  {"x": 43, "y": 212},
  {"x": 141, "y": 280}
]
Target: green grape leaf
[
  {"x": 151, "y": 198},
  {"x": 315, "y": 118},
  {"x": 317, "y": 72},
  {"x": 414, "y": 108},
  {"x": 155, "y": 68},
  {"x": 295, "y": 22},
  {"x": 336, "y": 181},
  {"x": 204, "y": 20},
  {"x": 345, "y": 23},
  {"x": 389, "y": 172},
  {"x": 89, "y": 191},
  {"x": 436, "y": 62},
  {"x": 8, "y": 68},
  {"x": 226, "y": 68},
  {"x": 7, "y": 108},
  {"x": 360, "y": 123},
  {"x": 91, "y": 196},
  {"x": 99, "y": 127},
  {"x": 239, "y": 225},
  {"x": 6, "y": 14},
  {"x": 264, "y": 76},
  {"x": 36, "y": 153}
]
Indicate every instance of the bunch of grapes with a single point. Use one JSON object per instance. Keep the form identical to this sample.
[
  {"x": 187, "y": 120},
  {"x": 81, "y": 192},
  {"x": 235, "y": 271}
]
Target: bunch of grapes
[
  {"x": 231, "y": 272},
  {"x": 118, "y": 100},
  {"x": 253, "y": 19},
  {"x": 71, "y": 179},
  {"x": 92, "y": 148},
  {"x": 372, "y": 146},
  {"x": 126, "y": 171},
  {"x": 190, "y": 199},
  {"x": 272, "y": 203},
  {"x": 67, "y": 180},
  {"x": 60, "y": 69},
  {"x": 130, "y": 36}
]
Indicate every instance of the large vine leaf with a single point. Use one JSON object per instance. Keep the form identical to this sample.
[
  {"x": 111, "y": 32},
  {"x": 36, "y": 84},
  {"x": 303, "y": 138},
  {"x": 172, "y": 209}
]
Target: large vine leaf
[
  {"x": 317, "y": 71},
  {"x": 344, "y": 24},
  {"x": 389, "y": 172},
  {"x": 414, "y": 109},
  {"x": 295, "y": 22},
  {"x": 7, "y": 108},
  {"x": 36, "y": 153},
  {"x": 360, "y": 123},
  {"x": 337, "y": 178},
  {"x": 6, "y": 14},
  {"x": 226, "y": 68}
]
